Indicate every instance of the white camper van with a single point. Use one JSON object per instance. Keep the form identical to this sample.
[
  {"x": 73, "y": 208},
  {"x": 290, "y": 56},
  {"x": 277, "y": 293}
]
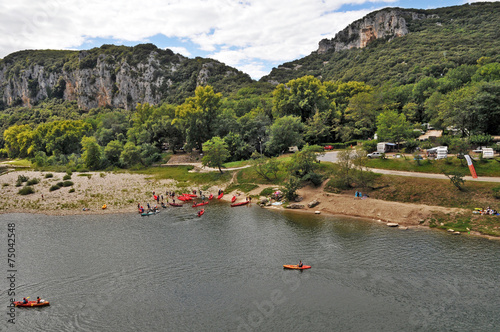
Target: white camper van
[{"x": 488, "y": 153}]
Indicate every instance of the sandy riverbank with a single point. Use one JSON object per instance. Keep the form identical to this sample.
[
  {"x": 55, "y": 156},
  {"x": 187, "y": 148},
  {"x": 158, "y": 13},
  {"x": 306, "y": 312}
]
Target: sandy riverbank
[{"x": 122, "y": 192}]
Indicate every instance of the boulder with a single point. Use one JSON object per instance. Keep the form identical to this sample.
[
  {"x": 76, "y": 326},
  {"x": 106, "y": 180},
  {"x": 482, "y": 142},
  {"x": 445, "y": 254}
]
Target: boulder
[
  {"x": 392, "y": 224},
  {"x": 312, "y": 203},
  {"x": 317, "y": 212},
  {"x": 295, "y": 206}
]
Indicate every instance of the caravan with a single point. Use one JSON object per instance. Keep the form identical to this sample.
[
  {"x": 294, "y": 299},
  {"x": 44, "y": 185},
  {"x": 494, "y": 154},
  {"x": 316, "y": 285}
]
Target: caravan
[{"x": 440, "y": 152}]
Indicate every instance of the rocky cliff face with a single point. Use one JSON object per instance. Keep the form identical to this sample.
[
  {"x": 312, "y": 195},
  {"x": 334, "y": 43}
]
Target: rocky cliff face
[
  {"x": 387, "y": 23},
  {"x": 108, "y": 76}
]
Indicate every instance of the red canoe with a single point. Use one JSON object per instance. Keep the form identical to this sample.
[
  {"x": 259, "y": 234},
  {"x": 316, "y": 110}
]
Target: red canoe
[
  {"x": 220, "y": 196},
  {"x": 190, "y": 195},
  {"x": 175, "y": 204},
  {"x": 211, "y": 196},
  {"x": 240, "y": 203},
  {"x": 233, "y": 199},
  {"x": 185, "y": 198},
  {"x": 200, "y": 204},
  {"x": 296, "y": 267},
  {"x": 31, "y": 304},
  {"x": 200, "y": 213}
]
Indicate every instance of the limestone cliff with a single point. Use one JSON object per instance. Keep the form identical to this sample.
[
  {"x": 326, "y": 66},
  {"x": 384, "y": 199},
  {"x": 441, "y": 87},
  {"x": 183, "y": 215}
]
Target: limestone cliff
[
  {"x": 115, "y": 76},
  {"x": 387, "y": 23}
]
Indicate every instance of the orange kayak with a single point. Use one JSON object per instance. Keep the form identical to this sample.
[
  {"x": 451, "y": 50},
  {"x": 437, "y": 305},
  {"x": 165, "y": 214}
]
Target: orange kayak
[
  {"x": 296, "y": 267},
  {"x": 31, "y": 304}
]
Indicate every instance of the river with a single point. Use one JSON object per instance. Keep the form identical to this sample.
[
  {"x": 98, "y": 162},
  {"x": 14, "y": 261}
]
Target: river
[{"x": 223, "y": 272}]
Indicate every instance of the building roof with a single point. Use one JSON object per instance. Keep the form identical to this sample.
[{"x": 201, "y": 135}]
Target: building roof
[{"x": 430, "y": 133}]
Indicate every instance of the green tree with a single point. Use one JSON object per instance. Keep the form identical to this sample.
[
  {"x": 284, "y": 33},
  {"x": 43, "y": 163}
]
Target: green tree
[
  {"x": 300, "y": 97},
  {"x": 197, "y": 116},
  {"x": 91, "y": 152},
  {"x": 215, "y": 153},
  {"x": 130, "y": 155},
  {"x": 283, "y": 133},
  {"x": 112, "y": 152},
  {"x": 265, "y": 167},
  {"x": 303, "y": 161},
  {"x": 317, "y": 129},
  {"x": 393, "y": 127},
  {"x": 238, "y": 149},
  {"x": 18, "y": 140}
]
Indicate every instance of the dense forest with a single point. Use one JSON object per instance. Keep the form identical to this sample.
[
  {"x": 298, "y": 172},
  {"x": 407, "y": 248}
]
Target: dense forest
[{"x": 444, "y": 74}]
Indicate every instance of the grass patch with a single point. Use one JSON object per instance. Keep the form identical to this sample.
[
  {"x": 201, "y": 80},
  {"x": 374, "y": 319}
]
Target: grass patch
[
  {"x": 243, "y": 187},
  {"x": 432, "y": 192},
  {"x": 267, "y": 191},
  {"x": 84, "y": 174},
  {"x": 19, "y": 162},
  {"x": 483, "y": 168},
  {"x": 235, "y": 164},
  {"x": 181, "y": 174}
]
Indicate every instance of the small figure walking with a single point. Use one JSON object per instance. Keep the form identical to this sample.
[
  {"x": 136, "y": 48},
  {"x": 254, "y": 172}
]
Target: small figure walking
[{"x": 42, "y": 197}]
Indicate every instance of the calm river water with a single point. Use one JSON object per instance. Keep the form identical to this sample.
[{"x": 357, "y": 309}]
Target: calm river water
[{"x": 223, "y": 272}]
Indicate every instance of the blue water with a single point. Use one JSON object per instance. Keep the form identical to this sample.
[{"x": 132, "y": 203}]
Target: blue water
[{"x": 223, "y": 272}]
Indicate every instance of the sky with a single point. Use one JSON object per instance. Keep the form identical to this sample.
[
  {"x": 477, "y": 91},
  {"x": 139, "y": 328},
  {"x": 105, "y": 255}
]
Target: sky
[{"x": 251, "y": 35}]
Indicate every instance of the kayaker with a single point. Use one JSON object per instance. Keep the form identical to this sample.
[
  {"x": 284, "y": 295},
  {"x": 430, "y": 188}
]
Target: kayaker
[
  {"x": 37, "y": 299},
  {"x": 24, "y": 300},
  {"x": 300, "y": 264}
]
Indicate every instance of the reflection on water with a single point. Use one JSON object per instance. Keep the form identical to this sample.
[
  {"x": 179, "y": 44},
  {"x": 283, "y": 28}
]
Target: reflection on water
[{"x": 223, "y": 272}]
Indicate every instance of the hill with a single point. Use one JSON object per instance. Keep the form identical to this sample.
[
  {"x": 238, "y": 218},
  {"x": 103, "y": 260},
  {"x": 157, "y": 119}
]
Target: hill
[
  {"x": 110, "y": 76},
  {"x": 402, "y": 45}
]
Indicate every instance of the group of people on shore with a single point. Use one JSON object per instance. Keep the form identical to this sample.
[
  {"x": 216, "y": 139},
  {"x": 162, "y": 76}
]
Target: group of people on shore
[{"x": 487, "y": 212}]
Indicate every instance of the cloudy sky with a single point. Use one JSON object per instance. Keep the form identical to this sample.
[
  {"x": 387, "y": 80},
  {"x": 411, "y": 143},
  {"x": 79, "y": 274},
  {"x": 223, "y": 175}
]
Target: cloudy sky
[{"x": 251, "y": 35}]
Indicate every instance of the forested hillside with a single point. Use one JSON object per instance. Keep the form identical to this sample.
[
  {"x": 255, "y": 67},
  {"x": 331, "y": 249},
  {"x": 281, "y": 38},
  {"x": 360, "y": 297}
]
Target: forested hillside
[
  {"x": 437, "y": 40},
  {"x": 110, "y": 76},
  {"x": 442, "y": 70}
]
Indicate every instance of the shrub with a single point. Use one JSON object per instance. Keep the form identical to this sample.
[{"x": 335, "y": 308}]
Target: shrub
[
  {"x": 5, "y": 185},
  {"x": 49, "y": 175},
  {"x": 32, "y": 182},
  {"x": 67, "y": 177},
  {"x": 72, "y": 190},
  {"x": 22, "y": 178},
  {"x": 67, "y": 183},
  {"x": 55, "y": 187},
  {"x": 68, "y": 172},
  {"x": 267, "y": 191},
  {"x": 60, "y": 184},
  {"x": 26, "y": 190},
  {"x": 496, "y": 192}
]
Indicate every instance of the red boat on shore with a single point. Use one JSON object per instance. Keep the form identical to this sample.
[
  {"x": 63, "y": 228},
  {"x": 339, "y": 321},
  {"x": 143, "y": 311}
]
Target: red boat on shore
[
  {"x": 220, "y": 196},
  {"x": 211, "y": 196},
  {"x": 185, "y": 198},
  {"x": 240, "y": 203},
  {"x": 200, "y": 204},
  {"x": 233, "y": 199},
  {"x": 190, "y": 195}
]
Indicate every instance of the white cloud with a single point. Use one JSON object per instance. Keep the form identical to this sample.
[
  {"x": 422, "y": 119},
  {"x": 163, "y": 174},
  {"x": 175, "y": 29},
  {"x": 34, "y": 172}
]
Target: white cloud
[
  {"x": 244, "y": 34},
  {"x": 180, "y": 50}
]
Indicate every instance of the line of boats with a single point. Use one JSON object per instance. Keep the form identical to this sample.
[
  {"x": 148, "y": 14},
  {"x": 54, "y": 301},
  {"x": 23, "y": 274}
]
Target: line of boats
[{"x": 189, "y": 197}]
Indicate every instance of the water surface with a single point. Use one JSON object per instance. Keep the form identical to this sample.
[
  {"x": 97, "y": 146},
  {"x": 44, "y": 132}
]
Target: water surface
[{"x": 223, "y": 272}]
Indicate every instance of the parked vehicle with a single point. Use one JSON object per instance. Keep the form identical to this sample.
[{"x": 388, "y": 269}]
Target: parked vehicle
[
  {"x": 374, "y": 155},
  {"x": 328, "y": 147}
]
